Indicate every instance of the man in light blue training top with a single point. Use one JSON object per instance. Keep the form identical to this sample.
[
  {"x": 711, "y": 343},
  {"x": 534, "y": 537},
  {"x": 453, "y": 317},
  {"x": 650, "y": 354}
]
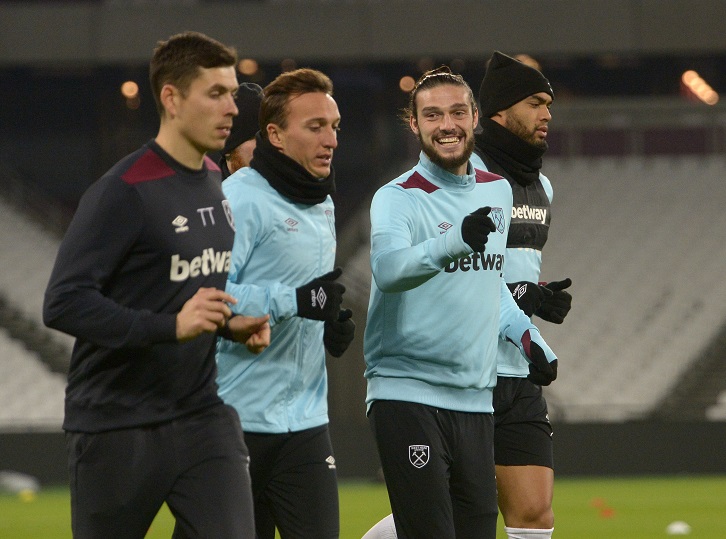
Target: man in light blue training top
[
  {"x": 438, "y": 306},
  {"x": 282, "y": 264}
]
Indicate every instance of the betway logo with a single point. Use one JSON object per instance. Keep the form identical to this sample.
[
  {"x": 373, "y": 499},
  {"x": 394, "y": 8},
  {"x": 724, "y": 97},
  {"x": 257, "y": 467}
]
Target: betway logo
[
  {"x": 530, "y": 214},
  {"x": 209, "y": 262},
  {"x": 477, "y": 262}
]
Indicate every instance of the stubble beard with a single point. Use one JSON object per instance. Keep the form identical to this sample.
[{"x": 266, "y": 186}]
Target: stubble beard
[{"x": 529, "y": 136}]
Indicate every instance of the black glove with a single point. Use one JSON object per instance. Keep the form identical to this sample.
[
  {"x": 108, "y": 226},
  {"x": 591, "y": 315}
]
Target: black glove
[
  {"x": 476, "y": 227},
  {"x": 320, "y": 299},
  {"x": 339, "y": 333},
  {"x": 555, "y": 307},
  {"x": 528, "y": 296},
  {"x": 541, "y": 371}
]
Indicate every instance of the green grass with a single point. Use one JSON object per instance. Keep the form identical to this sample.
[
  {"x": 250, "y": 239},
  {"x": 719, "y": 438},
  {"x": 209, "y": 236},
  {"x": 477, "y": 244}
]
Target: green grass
[{"x": 637, "y": 508}]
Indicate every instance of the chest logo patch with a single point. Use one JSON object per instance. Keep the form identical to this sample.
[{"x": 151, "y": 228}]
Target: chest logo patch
[
  {"x": 180, "y": 224},
  {"x": 497, "y": 215}
]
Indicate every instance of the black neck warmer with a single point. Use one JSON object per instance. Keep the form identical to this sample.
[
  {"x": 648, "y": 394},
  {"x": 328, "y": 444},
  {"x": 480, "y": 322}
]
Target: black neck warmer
[
  {"x": 518, "y": 159},
  {"x": 288, "y": 177}
]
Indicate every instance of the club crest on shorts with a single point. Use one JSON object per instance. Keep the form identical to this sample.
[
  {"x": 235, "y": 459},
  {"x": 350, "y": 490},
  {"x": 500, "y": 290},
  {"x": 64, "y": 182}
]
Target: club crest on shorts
[{"x": 418, "y": 455}]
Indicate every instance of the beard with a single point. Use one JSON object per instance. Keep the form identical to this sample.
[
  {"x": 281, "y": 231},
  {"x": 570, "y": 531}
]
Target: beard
[
  {"x": 516, "y": 126},
  {"x": 448, "y": 163}
]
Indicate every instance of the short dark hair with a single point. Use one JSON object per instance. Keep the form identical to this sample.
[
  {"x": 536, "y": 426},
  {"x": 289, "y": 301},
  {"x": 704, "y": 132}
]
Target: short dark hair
[
  {"x": 277, "y": 94},
  {"x": 435, "y": 77},
  {"x": 177, "y": 61}
]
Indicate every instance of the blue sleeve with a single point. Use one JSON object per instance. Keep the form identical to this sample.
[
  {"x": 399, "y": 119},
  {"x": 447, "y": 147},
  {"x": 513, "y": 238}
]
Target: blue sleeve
[
  {"x": 513, "y": 324},
  {"x": 94, "y": 246},
  {"x": 398, "y": 262},
  {"x": 275, "y": 298}
]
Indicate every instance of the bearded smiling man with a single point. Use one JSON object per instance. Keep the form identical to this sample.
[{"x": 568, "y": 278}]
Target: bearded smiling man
[{"x": 438, "y": 307}]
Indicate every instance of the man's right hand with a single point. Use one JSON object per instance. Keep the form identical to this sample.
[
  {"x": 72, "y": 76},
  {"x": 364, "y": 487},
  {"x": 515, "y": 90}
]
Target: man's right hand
[
  {"x": 205, "y": 312},
  {"x": 476, "y": 227}
]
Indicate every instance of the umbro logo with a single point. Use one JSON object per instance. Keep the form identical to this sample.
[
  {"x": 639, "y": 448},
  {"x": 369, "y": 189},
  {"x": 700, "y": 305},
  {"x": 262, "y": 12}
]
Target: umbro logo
[
  {"x": 291, "y": 224},
  {"x": 180, "y": 222},
  {"x": 318, "y": 299},
  {"x": 331, "y": 462},
  {"x": 519, "y": 291},
  {"x": 444, "y": 227}
]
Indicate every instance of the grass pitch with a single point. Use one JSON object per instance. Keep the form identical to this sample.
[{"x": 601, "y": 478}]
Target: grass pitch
[{"x": 617, "y": 508}]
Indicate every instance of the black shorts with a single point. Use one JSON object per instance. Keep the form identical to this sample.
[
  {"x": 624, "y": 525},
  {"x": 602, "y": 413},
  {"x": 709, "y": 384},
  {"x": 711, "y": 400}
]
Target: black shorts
[
  {"x": 522, "y": 429},
  {"x": 439, "y": 470},
  {"x": 198, "y": 464},
  {"x": 294, "y": 484}
]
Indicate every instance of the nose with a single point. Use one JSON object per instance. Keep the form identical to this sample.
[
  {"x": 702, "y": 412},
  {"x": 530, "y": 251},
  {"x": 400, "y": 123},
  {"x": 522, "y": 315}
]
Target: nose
[
  {"x": 447, "y": 123},
  {"x": 330, "y": 140},
  {"x": 546, "y": 114},
  {"x": 233, "y": 110}
]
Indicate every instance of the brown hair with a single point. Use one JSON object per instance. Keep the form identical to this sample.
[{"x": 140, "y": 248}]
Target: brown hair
[
  {"x": 177, "y": 61},
  {"x": 432, "y": 78},
  {"x": 277, "y": 94}
]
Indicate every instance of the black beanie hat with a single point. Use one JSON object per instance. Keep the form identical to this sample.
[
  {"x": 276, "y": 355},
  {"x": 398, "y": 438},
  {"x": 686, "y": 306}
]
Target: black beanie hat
[
  {"x": 507, "y": 81},
  {"x": 247, "y": 122}
]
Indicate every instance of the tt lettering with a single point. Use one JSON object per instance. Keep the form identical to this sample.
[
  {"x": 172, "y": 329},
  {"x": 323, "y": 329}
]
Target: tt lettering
[
  {"x": 477, "y": 262},
  {"x": 209, "y": 262}
]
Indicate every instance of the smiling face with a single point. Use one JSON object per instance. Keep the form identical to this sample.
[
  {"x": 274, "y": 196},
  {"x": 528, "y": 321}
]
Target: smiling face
[
  {"x": 311, "y": 132},
  {"x": 528, "y": 119},
  {"x": 444, "y": 124}
]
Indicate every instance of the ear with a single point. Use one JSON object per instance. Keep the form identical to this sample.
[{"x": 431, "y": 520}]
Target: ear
[
  {"x": 169, "y": 99},
  {"x": 413, "y": 123},
  {"x": 276, "y": 136},
  {"x": 476, "y": 117}
]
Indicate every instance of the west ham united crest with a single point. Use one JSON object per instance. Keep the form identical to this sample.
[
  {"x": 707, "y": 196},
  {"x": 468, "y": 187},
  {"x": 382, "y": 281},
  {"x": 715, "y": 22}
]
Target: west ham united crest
[
  {"x": 418, "y": 455},
  {"x": 497, "y": 215},
  {"x": 331, "y": 221},
  {"x": 228, "y": 213}
]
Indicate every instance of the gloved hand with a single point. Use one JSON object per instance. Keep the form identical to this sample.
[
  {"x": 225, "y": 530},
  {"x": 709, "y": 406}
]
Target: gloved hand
[
  {"x": 528, "y": 296},
  {"x": 320, "y": 299},
  {"x": 555, "y": 307},
  {"x": 338, "y": 334},
  {"x": 476, "y": 227},
  {"x": 542, "y": 369}
]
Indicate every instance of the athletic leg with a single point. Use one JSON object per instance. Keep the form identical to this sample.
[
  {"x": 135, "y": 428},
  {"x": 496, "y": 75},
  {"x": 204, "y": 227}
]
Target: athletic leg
[
  {"x": 415, "y": 464},
  {"x": 523, "y": 455},
  {"x": 303, "y": 486},
  {"x": 212, "y": 495},
  {"x": 472, "y": 481},
  {"x": 117, "y": 483},
  {"x": 383, "y": 529}
]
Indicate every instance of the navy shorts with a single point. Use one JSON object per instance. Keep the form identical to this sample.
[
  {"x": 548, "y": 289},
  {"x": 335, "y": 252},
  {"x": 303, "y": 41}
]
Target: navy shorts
[
  {"x": 294, "y": 484},
  {"x": 522, "y": 429},
  {"x": 197, "y": 464},
  {"x": 439, "y": 470}
]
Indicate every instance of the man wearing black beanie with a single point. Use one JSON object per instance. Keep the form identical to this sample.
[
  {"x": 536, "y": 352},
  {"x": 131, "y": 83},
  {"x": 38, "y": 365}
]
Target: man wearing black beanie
[
  {"x": 240, "y": 144},
  {"x": 515, "y": 103}
]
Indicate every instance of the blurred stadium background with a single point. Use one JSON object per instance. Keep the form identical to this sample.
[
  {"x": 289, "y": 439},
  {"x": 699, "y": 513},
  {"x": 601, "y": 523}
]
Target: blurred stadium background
[{"x": 637, "y": 159}]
